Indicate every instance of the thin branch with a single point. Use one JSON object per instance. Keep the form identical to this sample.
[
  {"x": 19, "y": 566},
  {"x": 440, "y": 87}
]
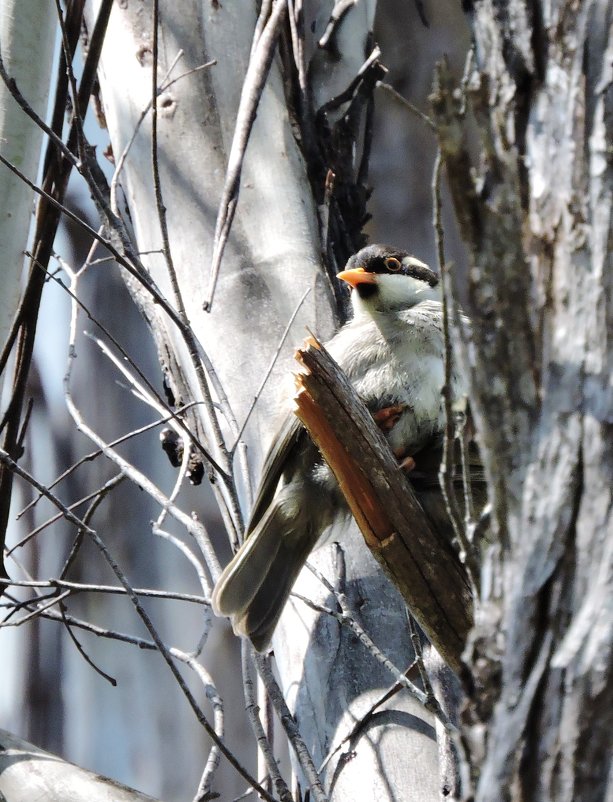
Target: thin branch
[
  {"x": 150, "y": 395},
  {"x": 468, "y": 554},
  {"x": 204, "y": 791},
  {"x": 57, "y": 140},
  {"x": 94, "y": 629},
  {"x": 83, "y": 587},
  {"x": 296, "y": 24},
  {"x": 271, "y": 365},
  {"x": 454, "y": 736},
  {"x": 147, "y": 393},
  {"x": 95, "y": 494},
  {"x": 364, "y": 720},
  {"x": 157, "y": 186},
  {"x": 161, "y": 646},
  {"x": 347, "y": 619},
  {"x": 407, "y": 104},
  {"x": 42, "y": 605},
  {"x": 193, "y": 560},
  {"x": 99, "y": 452},
  {"x": 193, "y": 526},
  {"x": 146, "y": 484},
  {"x": 79, "y": 647},
  {"x": 347, "y": 94},
  {"x": 252, "y": 709},
  {"x": 253, "y": 86},
  {"x": 166, "y": 84},
  {"x": 195, "y": 351},
  {"x": 288, "y": 722},
  {"x": 341, "y": 7},
  {"x": 135, "y": 269},
  {"x": 77, "y": 121},
  {"x": 130, "y": 261}
]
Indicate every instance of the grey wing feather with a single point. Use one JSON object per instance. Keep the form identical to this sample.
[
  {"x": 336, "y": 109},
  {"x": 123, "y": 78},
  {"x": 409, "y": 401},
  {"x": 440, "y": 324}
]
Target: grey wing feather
[{"x": 287, "y": 438}]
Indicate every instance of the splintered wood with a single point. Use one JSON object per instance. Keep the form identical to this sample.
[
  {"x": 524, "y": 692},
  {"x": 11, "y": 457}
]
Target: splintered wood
[{"x": 416, "y": 556}]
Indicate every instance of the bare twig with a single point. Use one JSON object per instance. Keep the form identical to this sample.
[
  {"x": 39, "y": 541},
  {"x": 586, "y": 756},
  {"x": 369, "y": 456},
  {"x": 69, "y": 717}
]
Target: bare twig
[
  {"x": 450, "y": 741},
  {"x": 43, "y": 604},
  {"x": 407, "y": 104},
  {"x": 147, "y": 393},
  {"x": 188, "y": 335},
  {"x": 79, "y": 647},
  {"x": 99, "y": 452},
  {"x": 341, "y": 7},
  {"x": 468, "y": 554},
  {"x": 194, "y": 527},
  {"x": 134, "y": 268},
  {"x": 362, "y": 723},
  {"x": 126, "y": 256},
  {"x": 161, "y": 646},
  {"x": 83, "y": 587},
  {"x": 291, "y": 728},
  {"x": 271, "y": 365},
  {"x": 347, "y": 619},
  {"x": 204, "y": 791},
  {"x": 296, "y": 25},
  {"x": 150, "y": 394},
  {"x": 164, "y": 86},
  {"x": 346, "y": 95},
  {"x": 253, "y": 86},
  {"x": 426, "y": 697},
  {"x": 264, "y": 745},
  {"x": 95, "y": 494}
]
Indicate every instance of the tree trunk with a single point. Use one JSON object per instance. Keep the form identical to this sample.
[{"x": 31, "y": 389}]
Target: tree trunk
[
  {"x": 272, "y": 257},
  {"x": 26, "y": 47},
  {"x": 536, "y": 216},
  {"x": 27, "y": 772}
]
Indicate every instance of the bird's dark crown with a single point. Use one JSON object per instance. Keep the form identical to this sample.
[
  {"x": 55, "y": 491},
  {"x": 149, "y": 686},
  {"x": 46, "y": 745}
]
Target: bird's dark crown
[{"x": 380, "y": 259}]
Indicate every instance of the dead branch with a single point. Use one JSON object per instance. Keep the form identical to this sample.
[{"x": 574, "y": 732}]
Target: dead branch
[{"x": 419, "y": 560}]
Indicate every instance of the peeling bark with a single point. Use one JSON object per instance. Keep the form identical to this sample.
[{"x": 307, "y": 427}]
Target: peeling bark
[{"x": 535, "y": 213}]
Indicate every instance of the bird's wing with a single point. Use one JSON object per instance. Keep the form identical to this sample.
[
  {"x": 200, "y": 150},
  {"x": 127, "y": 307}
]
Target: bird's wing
[
  {"x": 428, "y": 463},
  {"x": 287, "y": 438}
]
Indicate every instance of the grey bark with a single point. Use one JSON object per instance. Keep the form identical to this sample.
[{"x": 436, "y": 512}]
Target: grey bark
[
  {"x": 535, "y": 212},
  {"x": 272, "y": 257},
  {"x": 27, "y": 772},
  {"x": 26, "y": 28}
]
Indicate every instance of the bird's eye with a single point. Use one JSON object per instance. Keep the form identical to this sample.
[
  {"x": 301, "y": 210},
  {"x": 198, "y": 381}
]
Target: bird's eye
[{"x": 393, "y": 264}]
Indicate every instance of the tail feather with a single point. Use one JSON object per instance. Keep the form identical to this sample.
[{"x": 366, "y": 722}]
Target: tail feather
[
  {"x": 241, "y": 578},
  {"x": 267, "y": 603},
  {"x": 255, "y": 585}
]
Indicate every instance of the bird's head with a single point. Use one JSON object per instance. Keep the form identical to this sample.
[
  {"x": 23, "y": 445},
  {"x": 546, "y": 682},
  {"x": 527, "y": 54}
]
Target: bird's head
[{"x": 384, "y": 278}]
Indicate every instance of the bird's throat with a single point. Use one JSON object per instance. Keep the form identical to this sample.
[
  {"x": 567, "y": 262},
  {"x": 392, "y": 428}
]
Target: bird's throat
[{"x": 366, "y": 290}]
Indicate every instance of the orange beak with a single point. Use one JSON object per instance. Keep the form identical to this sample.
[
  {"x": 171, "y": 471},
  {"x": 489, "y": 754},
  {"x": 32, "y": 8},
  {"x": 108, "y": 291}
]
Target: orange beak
[{"x": 357, "y": 276}]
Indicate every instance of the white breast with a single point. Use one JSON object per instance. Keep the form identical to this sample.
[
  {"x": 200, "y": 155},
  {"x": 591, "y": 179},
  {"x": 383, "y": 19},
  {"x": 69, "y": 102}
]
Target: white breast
[{"x": 398, "y": 358}]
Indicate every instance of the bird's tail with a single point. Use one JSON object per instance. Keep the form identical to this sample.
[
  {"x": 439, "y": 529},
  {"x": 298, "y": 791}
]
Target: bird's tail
[{"x": 255, "y": 585}]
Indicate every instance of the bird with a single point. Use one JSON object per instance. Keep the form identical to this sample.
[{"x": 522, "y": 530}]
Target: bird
[{"x": 392, "y": 350}]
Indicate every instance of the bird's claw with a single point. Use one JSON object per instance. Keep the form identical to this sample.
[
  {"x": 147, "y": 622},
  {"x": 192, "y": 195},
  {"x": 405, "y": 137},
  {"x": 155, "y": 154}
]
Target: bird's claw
[
  {"x": 405, "y": 462},
  {"x": 388, "y": 417}
]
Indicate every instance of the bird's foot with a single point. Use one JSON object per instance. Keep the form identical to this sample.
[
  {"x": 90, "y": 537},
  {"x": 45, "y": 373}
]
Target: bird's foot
[
  {"x": 388, "y": 417},
  {"x": 405, "y": 462}
]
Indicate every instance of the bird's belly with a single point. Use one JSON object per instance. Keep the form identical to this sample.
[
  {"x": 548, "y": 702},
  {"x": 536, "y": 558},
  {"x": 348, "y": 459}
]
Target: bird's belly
[
  {"x": 403, "y": 366},
  {"x": 417, "y": 389}
]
